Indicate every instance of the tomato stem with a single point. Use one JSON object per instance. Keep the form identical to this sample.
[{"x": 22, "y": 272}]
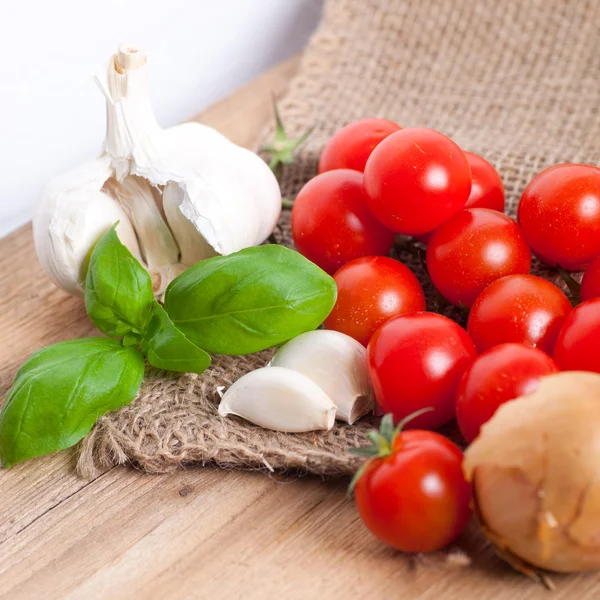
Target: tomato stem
[
  {"x": 382, "y": 442},
  {"x": 282, "y": 149}
]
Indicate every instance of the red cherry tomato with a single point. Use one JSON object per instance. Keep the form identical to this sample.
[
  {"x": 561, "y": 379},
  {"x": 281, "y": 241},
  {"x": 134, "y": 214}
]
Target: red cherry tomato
[
  {"x": 416, "y": 179},
  {"x": 472, "y": 249},
  {"x": 351, "y": 146},
  {"x": 500, "y": 374},
  {"x": 372, "y": 290},
  {"x": 523, "y": 309},
  {"x": 578, "y": 344},
  {"x": 416, "y": 361},
  {"x": 590, "y": 284},
  {"x": 331, "y": 223},
  {"x": 560, "y": 215},
  {"x": 416, "y": 498},
  {"x": 487, "y": 190}
]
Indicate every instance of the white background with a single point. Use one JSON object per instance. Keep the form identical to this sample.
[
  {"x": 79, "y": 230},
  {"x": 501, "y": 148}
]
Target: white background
[{"x": 52, "y": 113}]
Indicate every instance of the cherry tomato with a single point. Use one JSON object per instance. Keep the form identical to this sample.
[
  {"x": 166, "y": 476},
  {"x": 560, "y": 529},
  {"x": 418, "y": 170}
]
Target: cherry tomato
[
  {"x": 372, "y": 290},
  {"x": 500, "y": 374},
  {"x": 415, "y": 362},
  {"x": 416, "y": 179},
  {"x": 472, "y": 249},
  {"x": 523, "y": 309},
  {"x": 487, "y": 190},
  {"x": 578, "y": 344},
  {"x": 331, "y": 223},
  {"x": 560, "y": 215},
  {"x": 415, "y": 499},
  {"x": 590, "y": 284},
  {"x": 351, "y": 146}
]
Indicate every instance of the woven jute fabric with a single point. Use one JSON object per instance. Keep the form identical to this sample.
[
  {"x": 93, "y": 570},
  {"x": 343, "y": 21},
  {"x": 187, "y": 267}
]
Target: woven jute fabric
[{"x": 516, "y": 81}]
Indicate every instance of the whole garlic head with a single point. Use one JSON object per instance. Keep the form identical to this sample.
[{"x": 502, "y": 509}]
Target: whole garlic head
[{"x": 180, "y": 194}]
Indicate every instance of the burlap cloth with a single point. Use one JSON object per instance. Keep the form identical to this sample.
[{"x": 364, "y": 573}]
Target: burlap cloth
[{"x": 517, "y": 81}]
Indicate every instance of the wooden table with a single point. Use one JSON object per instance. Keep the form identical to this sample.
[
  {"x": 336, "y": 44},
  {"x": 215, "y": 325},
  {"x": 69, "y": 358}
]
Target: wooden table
[{"x": 201, "y": 532}]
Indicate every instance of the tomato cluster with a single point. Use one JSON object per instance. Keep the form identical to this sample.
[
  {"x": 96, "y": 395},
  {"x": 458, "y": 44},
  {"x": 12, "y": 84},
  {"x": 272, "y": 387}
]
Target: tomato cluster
[{"x": 377, "y": 180}]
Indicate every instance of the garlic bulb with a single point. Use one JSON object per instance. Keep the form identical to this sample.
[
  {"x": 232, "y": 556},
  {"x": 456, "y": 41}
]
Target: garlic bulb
[
  {"x": 535, "y": 469},
  {"x": 180, "y": 194},
  {"x": 279, "y": 399},
  {"x": 337, "y": 363}
]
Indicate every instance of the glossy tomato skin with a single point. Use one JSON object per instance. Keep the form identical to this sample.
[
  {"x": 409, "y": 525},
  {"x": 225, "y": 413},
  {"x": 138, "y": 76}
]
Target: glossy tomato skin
[
  {"x": 590, "y": 284},
  {"x": 487, "y": 189},
  {"x": 472, "y": 249},
  {"x": 351, "y": 146},
  {"x": 416, "y": 499},
  {"x": 578, "y": 344},
  {"x": 331, "y": 223},
  {"x": 372, "y": 290},
  {"x": 560, "y": 215},
  {"x": 500, "y": 374},
  {"x": 416, "y": 179},
  {"x": 416, "y": 361},
  {"x": 523, "y": 309}
]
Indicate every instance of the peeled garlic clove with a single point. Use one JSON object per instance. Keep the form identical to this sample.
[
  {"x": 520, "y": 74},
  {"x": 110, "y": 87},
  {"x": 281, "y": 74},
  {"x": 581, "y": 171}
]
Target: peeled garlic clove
[
  {"x": 337, "y": 363},
  {"x": 279, "y": 399}
]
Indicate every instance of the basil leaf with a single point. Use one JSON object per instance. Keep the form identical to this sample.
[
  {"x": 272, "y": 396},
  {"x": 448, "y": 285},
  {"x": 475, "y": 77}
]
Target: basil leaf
[
  {"x": 251, "y": 300},
  {"x": 58, "y": 394},
  {"x": 118, "y": 290},
  {"x": 167, "y": 348}
]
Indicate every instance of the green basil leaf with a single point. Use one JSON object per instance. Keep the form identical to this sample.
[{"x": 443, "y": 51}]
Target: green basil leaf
[
  {"x": 167, "y": 348},
  {"x": 58, "y": 394},
  {"x": 118, "y": 290},
  {"x": 251, "y": 300}
]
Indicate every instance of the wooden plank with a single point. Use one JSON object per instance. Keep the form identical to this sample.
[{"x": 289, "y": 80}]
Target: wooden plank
[{"x": 200, "y": 532}]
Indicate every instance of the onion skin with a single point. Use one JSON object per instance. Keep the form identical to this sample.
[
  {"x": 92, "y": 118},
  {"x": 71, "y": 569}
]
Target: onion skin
[{"x": 535, "y": 471}]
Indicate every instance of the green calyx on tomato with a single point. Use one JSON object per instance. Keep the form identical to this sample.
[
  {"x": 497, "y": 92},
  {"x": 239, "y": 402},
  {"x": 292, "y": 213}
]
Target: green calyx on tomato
[
  {"x": 282, "y": 149},
  {"x": 382, "y": 442}
]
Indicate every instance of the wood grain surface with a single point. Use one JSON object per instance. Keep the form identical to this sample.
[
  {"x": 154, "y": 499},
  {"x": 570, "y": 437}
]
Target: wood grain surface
[{"x": 201, "y": 532}]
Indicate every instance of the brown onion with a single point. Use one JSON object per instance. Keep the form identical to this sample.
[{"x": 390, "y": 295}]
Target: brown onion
[{"x": 535, "y": 470}]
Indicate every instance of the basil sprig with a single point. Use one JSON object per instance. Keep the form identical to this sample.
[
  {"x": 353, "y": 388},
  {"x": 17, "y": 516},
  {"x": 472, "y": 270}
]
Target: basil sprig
[{"x": 237, "y": 304}]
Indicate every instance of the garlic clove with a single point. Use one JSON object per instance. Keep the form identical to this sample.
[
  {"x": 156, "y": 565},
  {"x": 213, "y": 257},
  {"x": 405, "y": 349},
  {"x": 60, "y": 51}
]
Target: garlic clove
[
  {"x": 137, "y": 197},
  {"x": 192, "y": 243},
  {"x": 70, "y": 217},
  {"x": 279, "y": 399},
  {"x": 337, "y": 363}
]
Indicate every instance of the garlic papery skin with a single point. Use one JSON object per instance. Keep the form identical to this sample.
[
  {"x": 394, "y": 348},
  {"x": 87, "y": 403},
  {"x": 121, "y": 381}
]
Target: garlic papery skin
[
  {"x": 72, "y": 217},
  {"x": 279, "y": 399},
  {"x": 535, "y": 470},
  {"x": 181, "y": 194},
  {"x": 337, "y": 363}
]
